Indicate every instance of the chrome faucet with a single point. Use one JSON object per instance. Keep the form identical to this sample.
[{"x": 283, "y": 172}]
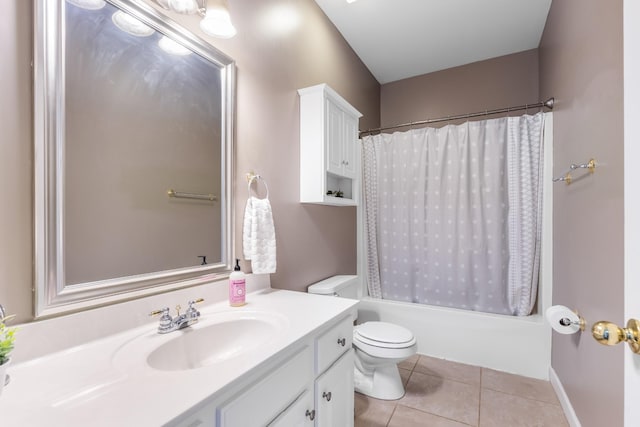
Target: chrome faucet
[{"x": 181, "y": 321}]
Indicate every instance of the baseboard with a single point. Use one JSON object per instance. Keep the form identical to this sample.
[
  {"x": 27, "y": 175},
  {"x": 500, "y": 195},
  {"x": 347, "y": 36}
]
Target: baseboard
[{"x": 572, "y": 418}]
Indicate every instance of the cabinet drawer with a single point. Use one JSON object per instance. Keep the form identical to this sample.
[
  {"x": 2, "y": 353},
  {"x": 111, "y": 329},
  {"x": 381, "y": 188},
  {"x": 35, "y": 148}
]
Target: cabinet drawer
[
  {"x": 333, "y": 343},
  {"x": 263, "y": 401}
]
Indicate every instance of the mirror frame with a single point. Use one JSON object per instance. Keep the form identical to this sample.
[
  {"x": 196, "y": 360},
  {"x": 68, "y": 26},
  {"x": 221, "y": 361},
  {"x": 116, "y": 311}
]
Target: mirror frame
[{"x": 52, "y": 297}]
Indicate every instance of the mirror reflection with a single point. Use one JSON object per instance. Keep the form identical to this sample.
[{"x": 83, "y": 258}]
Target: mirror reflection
[{"x": 142, "y": 151}]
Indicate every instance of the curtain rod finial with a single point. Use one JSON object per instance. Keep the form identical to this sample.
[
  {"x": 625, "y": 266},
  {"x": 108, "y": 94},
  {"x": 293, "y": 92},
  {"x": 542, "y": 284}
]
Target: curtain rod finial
[{"x": 549, "y": 103}]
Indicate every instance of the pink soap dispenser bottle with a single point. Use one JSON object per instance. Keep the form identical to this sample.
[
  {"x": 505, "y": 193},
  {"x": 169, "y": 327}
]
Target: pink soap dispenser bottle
[{"x": 237, "y": 287}]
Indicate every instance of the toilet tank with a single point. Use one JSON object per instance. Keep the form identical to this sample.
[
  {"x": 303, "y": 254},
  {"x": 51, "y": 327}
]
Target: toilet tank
[{"x": 345, "y": 286}]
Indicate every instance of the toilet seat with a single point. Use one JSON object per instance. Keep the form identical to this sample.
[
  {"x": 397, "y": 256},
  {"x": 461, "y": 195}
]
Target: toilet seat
[{"x": 383, "y": 335}]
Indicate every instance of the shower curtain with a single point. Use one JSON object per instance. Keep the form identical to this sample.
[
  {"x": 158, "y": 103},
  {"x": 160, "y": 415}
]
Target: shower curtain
[{"x": 453, "y": 215}]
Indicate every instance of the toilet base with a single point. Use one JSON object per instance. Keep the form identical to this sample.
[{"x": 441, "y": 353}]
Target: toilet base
[{"x": 383, "y": 383}]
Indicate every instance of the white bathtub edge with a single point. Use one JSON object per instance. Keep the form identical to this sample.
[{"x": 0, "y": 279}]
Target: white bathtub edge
[
  {"x": 520, "y": 346},
  {"x": 567, "y": 408}
]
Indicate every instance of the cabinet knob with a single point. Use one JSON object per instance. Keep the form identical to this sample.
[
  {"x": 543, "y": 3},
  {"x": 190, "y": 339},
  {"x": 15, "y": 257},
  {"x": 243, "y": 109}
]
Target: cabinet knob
[
  {"x": 311, "y": 414},
  {"x": 327, "y": 395},
  {"x": 342, "y": 341}
]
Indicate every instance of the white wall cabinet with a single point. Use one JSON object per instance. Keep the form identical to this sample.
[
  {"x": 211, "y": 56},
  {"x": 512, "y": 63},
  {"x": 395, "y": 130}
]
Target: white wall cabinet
[
  {"x": 311, "y": 384},
  {"x": 328, "y": 147}
]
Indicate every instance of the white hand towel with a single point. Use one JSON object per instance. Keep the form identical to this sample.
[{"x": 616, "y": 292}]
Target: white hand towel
[{"x": 259, "y": 236}]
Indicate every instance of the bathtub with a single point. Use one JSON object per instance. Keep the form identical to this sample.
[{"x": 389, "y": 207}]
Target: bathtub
[{"x": 519, "y": 345}]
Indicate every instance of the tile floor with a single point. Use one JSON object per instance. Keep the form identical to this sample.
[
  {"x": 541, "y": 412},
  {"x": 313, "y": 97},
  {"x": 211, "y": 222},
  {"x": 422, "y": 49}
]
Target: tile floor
[{"x": 441, "y": 393}]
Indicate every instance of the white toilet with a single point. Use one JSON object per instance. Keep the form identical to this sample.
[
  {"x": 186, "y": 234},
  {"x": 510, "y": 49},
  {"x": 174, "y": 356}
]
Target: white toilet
[{"x": 379, "y": 346}]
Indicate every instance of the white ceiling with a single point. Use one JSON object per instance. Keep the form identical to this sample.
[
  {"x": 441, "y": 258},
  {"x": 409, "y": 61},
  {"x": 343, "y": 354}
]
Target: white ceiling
[{"x": 397, "y": 39}]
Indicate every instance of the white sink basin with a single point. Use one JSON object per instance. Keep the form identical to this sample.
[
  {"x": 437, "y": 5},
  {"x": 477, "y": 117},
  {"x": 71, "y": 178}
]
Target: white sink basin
[{"x": 217, "y": 338}]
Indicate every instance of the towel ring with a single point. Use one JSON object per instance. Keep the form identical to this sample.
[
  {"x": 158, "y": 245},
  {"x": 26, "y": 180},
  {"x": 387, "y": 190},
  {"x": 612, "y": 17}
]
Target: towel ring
[{"x": 253, "y": 177}]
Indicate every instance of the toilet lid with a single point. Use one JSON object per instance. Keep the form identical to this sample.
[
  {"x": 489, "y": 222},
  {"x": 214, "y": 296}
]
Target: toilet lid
[{"x": 382, "y": 332}]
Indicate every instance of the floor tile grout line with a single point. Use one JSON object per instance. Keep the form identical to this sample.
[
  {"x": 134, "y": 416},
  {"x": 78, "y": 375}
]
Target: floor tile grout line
[
  {"x": 449, "y": 379},
  {"x": 392, "y": 412},
  {"x": 480, "y": 408},
  {"x": 431, "y": 413},
  {"x": 523, "y": 397}
]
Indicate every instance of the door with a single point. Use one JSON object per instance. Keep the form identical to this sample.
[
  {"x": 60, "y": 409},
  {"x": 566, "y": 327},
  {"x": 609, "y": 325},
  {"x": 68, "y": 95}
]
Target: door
[
  {"x": 631, "y": 203},
  {"x": 334, "y": 140},
  {"x": 350, "y": 130},
  {"x": 334, "y": 394}
]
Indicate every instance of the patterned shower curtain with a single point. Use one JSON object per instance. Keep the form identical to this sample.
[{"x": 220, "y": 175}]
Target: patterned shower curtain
[{"x": 453, "y": 215}]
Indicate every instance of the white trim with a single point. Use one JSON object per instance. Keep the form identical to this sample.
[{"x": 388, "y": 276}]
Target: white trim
[
  {"x": 631, "y": 14},
  {"x": 567, "y": 408}
]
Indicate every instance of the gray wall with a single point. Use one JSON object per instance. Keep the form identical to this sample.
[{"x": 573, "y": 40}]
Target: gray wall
[
  {"x": 581, "y": 64},
  {"x": 313, "y": 241},
  {"x": 16, "y": 158},
  {"x": 495, "y": 83}
]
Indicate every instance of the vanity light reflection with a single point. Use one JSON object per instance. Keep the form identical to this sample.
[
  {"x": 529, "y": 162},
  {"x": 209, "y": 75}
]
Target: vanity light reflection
[
  {"x": 131, "y": 25},
  {"x": 172, "y": 47}
]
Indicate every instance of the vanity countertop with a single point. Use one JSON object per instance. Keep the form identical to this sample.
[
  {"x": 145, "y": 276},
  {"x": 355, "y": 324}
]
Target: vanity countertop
[{"x": 95, "y": 384}]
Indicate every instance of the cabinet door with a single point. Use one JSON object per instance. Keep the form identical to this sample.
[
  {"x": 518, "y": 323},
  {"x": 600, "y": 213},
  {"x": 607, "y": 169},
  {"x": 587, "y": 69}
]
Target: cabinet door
[
  {"x": 350, "y": 146},
  {"x": 299, "y": 414},
  {"x": 268, "y": 397},
  {"x": 334, "y": 394},
  {"x": 335, "y": 136}
]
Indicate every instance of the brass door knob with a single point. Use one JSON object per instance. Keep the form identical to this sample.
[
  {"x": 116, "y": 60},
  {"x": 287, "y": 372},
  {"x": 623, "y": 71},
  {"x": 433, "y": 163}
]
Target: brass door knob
[{"x": 608, "y": 333}]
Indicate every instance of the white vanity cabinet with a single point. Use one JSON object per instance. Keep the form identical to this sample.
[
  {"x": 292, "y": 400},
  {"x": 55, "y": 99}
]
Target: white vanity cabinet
[
  {"x": 266, "y": 363},
  {"x": 328, "y": 147},
  {"x": 310, "y": 384}
]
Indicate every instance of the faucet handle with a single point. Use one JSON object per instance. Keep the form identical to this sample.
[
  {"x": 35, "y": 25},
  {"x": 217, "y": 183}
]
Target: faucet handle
[
  {"x": 192, "y": 312},
  {"x": 163, "y": 311}
]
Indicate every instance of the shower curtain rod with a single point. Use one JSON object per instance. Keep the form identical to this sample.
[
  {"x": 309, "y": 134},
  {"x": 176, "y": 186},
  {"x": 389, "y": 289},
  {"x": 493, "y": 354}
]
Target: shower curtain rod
[{"x": 548, "y": 103}]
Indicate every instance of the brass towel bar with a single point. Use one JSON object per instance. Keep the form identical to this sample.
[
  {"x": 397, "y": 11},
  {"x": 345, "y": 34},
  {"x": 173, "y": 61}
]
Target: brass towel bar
[
  {"x": 182, "y": 195},
  {"x": 568, "y": 178}
]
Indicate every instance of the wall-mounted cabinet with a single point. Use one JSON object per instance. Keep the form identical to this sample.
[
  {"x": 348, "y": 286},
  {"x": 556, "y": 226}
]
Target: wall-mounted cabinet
[{"x": 329, "y": 157}]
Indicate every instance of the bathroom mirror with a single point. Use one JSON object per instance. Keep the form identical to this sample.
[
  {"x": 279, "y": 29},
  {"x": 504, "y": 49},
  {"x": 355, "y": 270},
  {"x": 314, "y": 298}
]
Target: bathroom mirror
[{"x": 133, "y": 154}]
